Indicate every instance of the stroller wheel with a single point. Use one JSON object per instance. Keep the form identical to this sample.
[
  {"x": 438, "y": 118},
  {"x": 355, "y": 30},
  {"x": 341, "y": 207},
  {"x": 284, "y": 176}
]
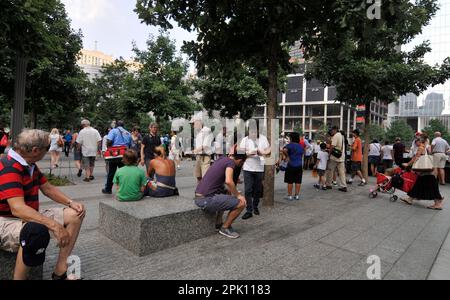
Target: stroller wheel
[
  {"x": 394, "y": 198},
  {"x": 373, "y": 195}
]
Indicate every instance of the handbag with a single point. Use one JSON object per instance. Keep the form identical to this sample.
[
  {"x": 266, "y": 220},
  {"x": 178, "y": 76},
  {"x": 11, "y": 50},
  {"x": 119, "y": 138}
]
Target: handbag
[
  {"x": 60, "y": 142},
  {"x": 424, "y": 163},
  {"x": 336, "y": 152}
]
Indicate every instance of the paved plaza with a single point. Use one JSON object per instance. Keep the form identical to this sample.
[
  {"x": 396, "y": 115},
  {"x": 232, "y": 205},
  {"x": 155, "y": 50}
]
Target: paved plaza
[{"x": 325, "y": 235}]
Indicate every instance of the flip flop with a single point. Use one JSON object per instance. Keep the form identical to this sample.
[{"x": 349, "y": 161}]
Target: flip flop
[
  {"x": 434, "y": 208},
  {"x": 406, "y": 201}
]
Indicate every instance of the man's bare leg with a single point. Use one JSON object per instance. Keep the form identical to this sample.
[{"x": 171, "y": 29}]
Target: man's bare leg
[
  {"x": 21, "y": 270},
  {"x": 73, "y": 224},
  {"x": 219, "y": 218},
  {"x": 232, "y": 215}
]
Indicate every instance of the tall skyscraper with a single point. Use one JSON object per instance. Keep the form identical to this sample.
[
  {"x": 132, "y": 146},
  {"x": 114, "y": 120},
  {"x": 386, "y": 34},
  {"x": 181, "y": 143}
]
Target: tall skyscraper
[{"x": 434, "y": 103}]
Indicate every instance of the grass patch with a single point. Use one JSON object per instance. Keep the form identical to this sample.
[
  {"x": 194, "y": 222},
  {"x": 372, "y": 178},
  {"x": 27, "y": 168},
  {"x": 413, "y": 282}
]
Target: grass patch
[{"x": 58, "y": 181}]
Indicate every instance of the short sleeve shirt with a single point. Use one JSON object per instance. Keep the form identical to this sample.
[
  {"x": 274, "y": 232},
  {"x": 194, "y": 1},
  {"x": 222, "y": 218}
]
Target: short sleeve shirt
[
  {"x": 17, "y": 180},
  {"x": 254, "y": 163},
  {"x": 214, "y": 180}
]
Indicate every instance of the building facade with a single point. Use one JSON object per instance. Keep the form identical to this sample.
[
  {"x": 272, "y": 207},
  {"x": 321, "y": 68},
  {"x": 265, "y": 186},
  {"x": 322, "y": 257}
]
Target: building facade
[
  {"x": 92, "y": 62},
  {"x": 434, "y": 103},
  {"x": 311, "y": 106}
]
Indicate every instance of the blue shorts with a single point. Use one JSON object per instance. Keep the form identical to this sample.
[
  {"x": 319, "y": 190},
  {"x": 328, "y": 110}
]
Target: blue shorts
[
  {"x": 217, "y": 203},
  {"x": 374, "y": 160}
]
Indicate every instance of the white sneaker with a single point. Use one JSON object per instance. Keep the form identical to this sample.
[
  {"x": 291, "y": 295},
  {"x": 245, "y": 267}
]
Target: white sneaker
[{"x": 289, "y": 198}]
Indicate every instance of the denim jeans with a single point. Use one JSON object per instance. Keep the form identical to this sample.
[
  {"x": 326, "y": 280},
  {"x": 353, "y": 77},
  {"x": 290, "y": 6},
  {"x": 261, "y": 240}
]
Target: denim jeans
[{"x": 253, "y": 189}]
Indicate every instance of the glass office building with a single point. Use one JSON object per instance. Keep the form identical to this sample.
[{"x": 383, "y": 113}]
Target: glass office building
[
  {"x": 434, "y": 103},
  {"x": 310, "y": 105}
]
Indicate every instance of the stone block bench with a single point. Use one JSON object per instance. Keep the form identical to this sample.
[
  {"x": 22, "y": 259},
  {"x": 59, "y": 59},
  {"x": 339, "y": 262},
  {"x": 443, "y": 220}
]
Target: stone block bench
[
  {"x": 7, "y": 264},
  {"x": 154, "y": 224}
]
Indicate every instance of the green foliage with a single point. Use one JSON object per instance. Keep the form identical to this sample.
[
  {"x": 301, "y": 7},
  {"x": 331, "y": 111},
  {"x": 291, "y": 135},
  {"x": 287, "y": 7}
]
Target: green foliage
[
  {"x": 58, "y": 181},
  {"x": 361, "y": 57},
  {"x": 401, "y": 129},
  {"x": 55, "y": 84},
  {"x": 376, "y": 132},
  {"x": 161, "y": 84},
  {"x": 436, "y": 126}
]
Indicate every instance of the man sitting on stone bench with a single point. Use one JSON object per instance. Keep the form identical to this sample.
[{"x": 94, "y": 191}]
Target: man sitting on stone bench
[
  {"x": 212, "y": 197},
  {"x": 20, "y": 220}
]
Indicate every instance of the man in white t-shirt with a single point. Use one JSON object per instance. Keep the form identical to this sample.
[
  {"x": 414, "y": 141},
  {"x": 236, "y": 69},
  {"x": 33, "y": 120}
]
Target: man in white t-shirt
[
  {"x": 89, "y": 140},
  {"x": 255, "y": 147},
  {"x": 439, "y": 148}
]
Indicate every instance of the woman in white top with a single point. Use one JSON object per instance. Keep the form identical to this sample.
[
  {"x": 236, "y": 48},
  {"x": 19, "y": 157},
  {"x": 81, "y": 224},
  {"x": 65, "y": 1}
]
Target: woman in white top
[
  {"x": 175, "y": 151},
  {"x": 56, "y": 144},
  {"x": 374, "y": 156},
  {"x": 388, "y": 155}
]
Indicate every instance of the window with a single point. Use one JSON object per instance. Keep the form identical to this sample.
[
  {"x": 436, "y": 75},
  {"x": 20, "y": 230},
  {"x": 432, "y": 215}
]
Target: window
[
  {"x": 315, "y": 91},
  {"x": 317, "y": 124},
  {"x": 334, "y": 110},
  {"x": 294, "y": 111},
  {"x": 332, "y": 93},
  {"x": 294, "y": 92}
]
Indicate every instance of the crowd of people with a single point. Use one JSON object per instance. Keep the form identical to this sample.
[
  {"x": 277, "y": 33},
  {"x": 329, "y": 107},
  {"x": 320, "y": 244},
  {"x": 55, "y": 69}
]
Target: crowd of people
[{"x": 219, "y": 162}]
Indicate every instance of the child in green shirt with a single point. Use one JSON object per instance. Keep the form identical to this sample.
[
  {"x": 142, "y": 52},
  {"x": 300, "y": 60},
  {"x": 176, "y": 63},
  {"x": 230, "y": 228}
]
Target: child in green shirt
[{"x": 130, "y": 180}]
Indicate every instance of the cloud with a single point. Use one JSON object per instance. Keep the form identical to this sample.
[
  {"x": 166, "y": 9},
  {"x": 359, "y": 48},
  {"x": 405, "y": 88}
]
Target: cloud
[{"x": 88, "y": 11}]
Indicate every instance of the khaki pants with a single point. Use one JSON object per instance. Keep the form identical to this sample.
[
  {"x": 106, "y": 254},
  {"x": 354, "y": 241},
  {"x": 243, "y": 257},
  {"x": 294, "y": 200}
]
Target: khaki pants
[
  {"x": 202, "y": 164},
  {"x": 10, "y": 228},
  {"x": 340, "y": 167}
]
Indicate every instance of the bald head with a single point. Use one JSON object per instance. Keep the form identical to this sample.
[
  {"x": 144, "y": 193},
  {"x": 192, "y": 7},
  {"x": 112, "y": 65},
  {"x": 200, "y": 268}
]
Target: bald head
[{"x": 437, "y": 134}]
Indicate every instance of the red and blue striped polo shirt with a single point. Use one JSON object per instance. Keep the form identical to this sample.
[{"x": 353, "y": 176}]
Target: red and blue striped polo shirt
[{"x": 17, "y": 180}]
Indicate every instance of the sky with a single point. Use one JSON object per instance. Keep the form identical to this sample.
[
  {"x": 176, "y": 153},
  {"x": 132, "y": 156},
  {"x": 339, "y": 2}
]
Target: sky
[{"x": 114, "y": 25}]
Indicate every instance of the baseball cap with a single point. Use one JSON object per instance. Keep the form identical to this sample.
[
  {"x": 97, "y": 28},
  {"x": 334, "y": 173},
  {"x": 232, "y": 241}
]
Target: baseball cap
[{"x": 34, "y": 239}]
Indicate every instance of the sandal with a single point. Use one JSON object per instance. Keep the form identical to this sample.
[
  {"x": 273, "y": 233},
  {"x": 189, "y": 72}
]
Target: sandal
[
  {"x": 62, "y": 277},
  {"x": 406, "y": 201},
  {"x": 434, "y": 208},
  {"x": 59, "y": 277}
]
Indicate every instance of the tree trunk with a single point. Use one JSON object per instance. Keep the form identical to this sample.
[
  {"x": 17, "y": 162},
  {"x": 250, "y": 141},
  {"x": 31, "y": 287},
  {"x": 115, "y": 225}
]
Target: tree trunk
[
  {"x": 366, "y": 143},
  {"x": 269, "y": 170},
  {"x": 19, "y": 96},
  {"x": 33, "y": 118}
]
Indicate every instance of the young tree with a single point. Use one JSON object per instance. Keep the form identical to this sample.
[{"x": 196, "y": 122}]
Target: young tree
[
  {"x": 253, "y": 33},
  {"x": 25, "y": 34},
  {"x": 360, "y": 53},
  {"x": 436, "y": 126},
  {"x": 401, "y": 129},
  {"x": 162, "y": 86},
  {"x": 376, "y": 132}
]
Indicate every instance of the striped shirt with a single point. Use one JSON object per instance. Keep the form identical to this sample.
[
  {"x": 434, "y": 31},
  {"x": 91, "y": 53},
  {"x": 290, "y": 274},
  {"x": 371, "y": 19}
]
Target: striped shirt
[{"x": 18, "y": 179}]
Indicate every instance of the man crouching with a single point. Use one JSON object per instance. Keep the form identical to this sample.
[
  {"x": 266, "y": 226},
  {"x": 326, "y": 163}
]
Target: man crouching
[
  {"x": 23, "y": 228},
  {"x": 212, "y": 197}
]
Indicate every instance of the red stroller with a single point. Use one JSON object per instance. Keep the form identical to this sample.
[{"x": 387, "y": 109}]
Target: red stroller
[{"x": 400, "y": 179}]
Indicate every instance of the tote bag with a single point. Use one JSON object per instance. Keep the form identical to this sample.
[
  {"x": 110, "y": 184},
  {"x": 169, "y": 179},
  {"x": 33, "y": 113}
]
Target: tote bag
[{"x": 424, "y": 163}]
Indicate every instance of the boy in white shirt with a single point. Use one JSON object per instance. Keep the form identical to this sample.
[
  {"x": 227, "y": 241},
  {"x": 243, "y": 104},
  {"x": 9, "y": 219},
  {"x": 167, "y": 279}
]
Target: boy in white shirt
[{"x": 321, "y": 166}]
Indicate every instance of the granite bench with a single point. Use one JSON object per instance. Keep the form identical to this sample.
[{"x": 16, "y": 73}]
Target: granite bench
[
  {"x": 7, "y": 264},
  {"x": 154, "y": 224}
]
